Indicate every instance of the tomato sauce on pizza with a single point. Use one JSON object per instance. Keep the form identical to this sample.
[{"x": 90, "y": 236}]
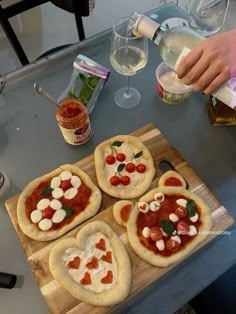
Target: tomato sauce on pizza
[
  {"x": 172, "y": 181},
  {"x": 169, "y": 214},
  {"x": 59, "y": 208}
]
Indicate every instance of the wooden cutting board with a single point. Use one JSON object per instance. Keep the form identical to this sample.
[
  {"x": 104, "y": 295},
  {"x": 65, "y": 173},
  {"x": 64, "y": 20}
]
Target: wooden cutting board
[{"x": 59, "y": 300}]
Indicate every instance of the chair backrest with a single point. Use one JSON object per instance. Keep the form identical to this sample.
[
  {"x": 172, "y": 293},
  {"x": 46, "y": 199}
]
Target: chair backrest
[{"x": 24, "y": 5}]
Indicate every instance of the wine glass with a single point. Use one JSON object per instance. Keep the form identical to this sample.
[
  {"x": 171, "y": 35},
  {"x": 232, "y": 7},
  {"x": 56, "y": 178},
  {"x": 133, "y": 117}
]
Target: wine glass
[
  {"x": 207, "y": 16},
  {"x": 4, "y": 184},
  {"x": 128, "y": 55}
]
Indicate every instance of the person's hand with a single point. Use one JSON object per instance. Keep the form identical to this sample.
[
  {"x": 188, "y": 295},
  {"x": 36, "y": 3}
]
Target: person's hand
[{"x": 211, "y": 63}]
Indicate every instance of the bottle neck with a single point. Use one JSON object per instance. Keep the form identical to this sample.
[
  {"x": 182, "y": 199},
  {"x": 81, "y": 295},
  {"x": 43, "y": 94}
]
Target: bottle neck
[
  {"x": 147, "y": 27},
  {"x": 158, "y": 35}
]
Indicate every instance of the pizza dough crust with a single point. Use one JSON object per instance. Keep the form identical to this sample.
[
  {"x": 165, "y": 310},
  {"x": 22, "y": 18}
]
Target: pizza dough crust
[
  {"x": 164, "y": 261},
  {"x": 129, "y": 191},
  {"x": 171, "y": 173},
  {"x": 32, "y": 231},
  {"x": 117, "y": 211},
  {"x": 108, "y": 297}
]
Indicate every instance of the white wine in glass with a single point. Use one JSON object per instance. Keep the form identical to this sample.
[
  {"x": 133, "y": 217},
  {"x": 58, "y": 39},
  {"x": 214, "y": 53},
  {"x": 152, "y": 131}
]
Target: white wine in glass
[{"x": 128, "y": 56}]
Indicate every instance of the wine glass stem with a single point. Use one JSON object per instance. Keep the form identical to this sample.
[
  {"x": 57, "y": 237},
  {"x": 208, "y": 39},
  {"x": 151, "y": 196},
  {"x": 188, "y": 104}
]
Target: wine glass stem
[{"x": 127, "y": 92}]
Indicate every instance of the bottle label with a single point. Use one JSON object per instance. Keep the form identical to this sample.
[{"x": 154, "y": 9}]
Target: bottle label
[
  {"x": 77, "y": 136},
  {"x": 181, "y": 57},
  {"x": 225, "y": 93}
]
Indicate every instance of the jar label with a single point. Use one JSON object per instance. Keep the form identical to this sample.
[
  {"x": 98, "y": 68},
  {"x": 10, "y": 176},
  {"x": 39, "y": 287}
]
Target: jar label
[
  {"x": 77, "y": 136},
  {"x": 172, "y": 98}
]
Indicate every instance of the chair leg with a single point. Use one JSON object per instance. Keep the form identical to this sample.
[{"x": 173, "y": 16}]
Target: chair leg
[
  {"x": 78, "y": 20},
  {"x": 13, "y": 39}
]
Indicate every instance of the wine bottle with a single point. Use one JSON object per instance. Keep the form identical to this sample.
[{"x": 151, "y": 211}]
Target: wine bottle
[{"x": 174, "y": 44}]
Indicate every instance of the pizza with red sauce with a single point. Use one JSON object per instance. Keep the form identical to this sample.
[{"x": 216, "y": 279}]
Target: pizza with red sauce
[
  {"x": 124, "y": 167},
  {"x": 51, "y": 205},
  {"x": 172, "y": 178},
  {"x": 121, "y": 211},
  {"x": 168, "y": 222},
  {"x": 94, "y": 267}
]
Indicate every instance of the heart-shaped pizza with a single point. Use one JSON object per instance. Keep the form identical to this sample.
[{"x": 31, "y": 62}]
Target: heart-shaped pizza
[
  {"x": 168, "y": 222},
  {"x": 51, "y": 205},
  {"x": 94, "y": 267},
  {"x": 124, "y": 166}
]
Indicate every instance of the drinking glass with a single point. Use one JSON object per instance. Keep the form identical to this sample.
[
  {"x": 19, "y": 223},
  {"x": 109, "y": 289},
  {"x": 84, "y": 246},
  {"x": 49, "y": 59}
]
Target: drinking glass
[
  {"x": 4, "y": 184},
  {"x": 128, "y": 56},
  {"x": 207, "y": 16}
]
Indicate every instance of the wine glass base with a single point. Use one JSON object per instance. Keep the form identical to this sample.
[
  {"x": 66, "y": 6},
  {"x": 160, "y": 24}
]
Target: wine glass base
[
  {"x": 4, "y": 184},
  {"x": 127, "y": 100}
]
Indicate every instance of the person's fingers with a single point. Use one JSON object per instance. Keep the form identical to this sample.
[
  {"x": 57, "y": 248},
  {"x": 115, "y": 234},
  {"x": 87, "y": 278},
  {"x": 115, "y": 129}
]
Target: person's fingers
[
  {"x": 206, "y": 79},
  {"x": 206, "y": 82},
  {"x": 218, "y": 81},
  {"x": 188, "y": 62},
  {"x": 196, "y": 72}
]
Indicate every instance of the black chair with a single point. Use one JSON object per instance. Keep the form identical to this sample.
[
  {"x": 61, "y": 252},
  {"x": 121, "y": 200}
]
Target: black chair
[{"x": 23, "y": 5}]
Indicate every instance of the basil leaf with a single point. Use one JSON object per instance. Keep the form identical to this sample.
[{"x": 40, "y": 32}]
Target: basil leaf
[
  {"x": 168, "y": 227},
  {"x": 139, "y": 154},
  {"x": 69, "y": 211},
  {"x": 191, "y": 208},
  {"x": 117, "y": 143},
  {"x": 92, "y": 81},
  {"x": 47, "y": 190},
  {"x": 88, "y": 87},
  {"x": 120, "y": 167}
]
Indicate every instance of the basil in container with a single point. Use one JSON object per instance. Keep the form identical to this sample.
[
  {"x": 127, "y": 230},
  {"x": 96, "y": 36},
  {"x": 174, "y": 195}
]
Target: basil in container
[{"x": 87, "y": 80}]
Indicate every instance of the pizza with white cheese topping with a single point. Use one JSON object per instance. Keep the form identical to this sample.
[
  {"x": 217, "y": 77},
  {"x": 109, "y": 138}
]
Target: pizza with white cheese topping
[
  {"x": 168, "y": 222},
  {"x": 94, "y": 267},
  {"x": 124, "y": 167},
  {"x": 53, "y": 204}
]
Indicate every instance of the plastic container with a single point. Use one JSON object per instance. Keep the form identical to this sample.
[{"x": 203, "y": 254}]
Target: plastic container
[
  {"x": 86, "y": 82},
  {"x": 75, "y": 127},
  {"x": 170, "y": 88}
]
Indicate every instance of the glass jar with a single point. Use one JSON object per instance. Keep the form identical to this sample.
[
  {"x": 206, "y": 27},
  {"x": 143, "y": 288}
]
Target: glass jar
[
  {"x": 219, "y": 113},
  {"x": 73, "y": 121}
]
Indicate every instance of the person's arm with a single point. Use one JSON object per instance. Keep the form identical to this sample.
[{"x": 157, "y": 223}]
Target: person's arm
[{"x": 211, "y": 63}]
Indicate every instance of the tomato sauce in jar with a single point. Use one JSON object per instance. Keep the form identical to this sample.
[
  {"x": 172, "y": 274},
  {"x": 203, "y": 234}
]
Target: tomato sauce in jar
[{"x": 74, "y": 121}]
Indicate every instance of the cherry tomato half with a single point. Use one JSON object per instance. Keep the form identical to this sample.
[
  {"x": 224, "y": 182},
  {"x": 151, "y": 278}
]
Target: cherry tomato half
[
  {"x": 130, "y": 167},
  {"x": 110, "y": 159},
  {"x": 156, "y": 234},
  {"x": 141, "y": 168},
  {"x": 125, "y": 180},
  {"x": 181, "y": 212},
  {"x": 172, "y": 245},
  {"x": 48, "y": 212},
  {"x": 120, "y": 157},
  {"x": 182, "y": 227},
  {"x": 65, "y": 185},
  {"x": 115, "y": 180}
]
